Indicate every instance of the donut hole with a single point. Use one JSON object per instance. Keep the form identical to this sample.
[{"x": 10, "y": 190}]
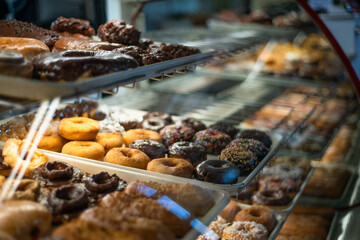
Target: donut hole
[
  {"x": 169, "y": 164},
  {"x": 84, "y": 144},
  {"x": 255, "y": 213},
  {"x": 78, "y": 121}
]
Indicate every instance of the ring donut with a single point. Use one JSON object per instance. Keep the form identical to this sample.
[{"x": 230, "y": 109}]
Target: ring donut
[
  {"x": 11, "y": 153},
  {"x": 78, "y": 128},
  {"x": 24, "y": 220},
  {"x": 172, "y": 166},
  {"x": 140, "y": 134},
  {"x": 258, "y": 215},
  {"x": 245, "y": 230},
  {"x": 52, "y": 141},
  {"x": 85, "y": 149},
  {"x": 127, "y": 157},
  {"x": 109, "y": 140}
]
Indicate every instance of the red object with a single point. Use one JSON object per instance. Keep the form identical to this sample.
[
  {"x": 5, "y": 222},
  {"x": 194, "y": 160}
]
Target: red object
[{"x": 344, "y": 59}]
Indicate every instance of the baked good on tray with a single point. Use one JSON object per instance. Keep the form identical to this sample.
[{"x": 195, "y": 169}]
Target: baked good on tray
[{"x": 71, "y": 204}]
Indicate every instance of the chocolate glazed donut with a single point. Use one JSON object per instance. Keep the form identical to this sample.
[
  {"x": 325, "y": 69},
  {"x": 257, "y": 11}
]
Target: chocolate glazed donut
[
  {"x": 196, "y": 153},
  {"x": 217, "y": 171},
  {"x": 103, "y": 182},
  {"x": 68, "y": 199},
  {"x": 55, "y": 174}
]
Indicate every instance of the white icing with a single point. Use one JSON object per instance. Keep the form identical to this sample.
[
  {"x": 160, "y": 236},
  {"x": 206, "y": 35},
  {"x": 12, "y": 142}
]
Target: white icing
[{"x": 246, "y": 230}]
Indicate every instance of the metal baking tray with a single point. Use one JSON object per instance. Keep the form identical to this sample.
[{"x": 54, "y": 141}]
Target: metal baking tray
[
  {"x": 39, "y": 90},
  {"x": 221, "y": 198}
]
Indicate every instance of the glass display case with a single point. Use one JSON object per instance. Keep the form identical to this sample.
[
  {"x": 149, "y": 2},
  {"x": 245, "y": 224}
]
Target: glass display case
[{"x": 246, "y": 128}]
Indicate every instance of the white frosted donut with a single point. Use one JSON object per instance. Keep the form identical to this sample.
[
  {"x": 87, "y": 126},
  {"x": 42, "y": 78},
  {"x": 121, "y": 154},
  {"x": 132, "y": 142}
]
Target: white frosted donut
[{"x": 245, "y": 230}]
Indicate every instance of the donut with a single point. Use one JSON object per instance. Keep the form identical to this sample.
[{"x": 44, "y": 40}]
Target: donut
[
  {"x": 172, "y": 134},
  {"x": 245, "y": 230},
  {"x": 217, "y": 171},
  {"x": 164, "y": 116},
  {"x": 6, "y": 236},
  {"x": 252, "y": 145},
  {"x": 193, "y": 123},
  {"x": 245, "y": 160},
  {"x": 224, "y": 127},
  {"x": 78, "y": 65},
  {"x": 300, "y": 162},
  {"x": 151, "y": 148},
  {"x": 11, "y": 152},
  {"x": 103, "y": 182},
  {"x": 172, "y": 166},
  {"x": 270, "y": 198},
  {"x": 147, "y": 229},
  {"x": 27, "y": 190},
  {"x": 74, "y": 35},
  {"x": 276, "y": 183},
  {"x": 134, "y": 51},
  {"x": 56, "y": 174},
  {"x": 15, "y": 28},
  {"x": 258, "y": 215},
  {"x": 68, "y": 199},
  {"x": 109, "y": 140},
  {"x": 284, "y": 171},
  {"x": 117, "y": 31},
  {"x": 255, "y": 134},
  {"x": 72, "y": 25},
  {"x": 78, "y": 128},
  {"x": 28, "y": 47},
  {"x": 83, "y": 230},
  {"x": 14, "y": 64},
  {"x": 127, "y": 157},
  {"x": 72, "y": 43},
  {"x": 52, "y": 141},
  {"x": 84, "y": 149},
  {"x": 246, "y": 194},
  {"x": 216, "y": 227},
  {"x": 190, "y": 151},
  {"x": 230, "y": 211},
  {"x": 24, "y": 219},
  {"x": 153, "y": 123},
  {"x": 213, "y": 140},
  {"x": 140, "y": 134}
]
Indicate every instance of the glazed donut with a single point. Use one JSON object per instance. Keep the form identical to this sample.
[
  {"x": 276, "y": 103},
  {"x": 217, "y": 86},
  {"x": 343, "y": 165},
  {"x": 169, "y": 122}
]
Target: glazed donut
[
  {"x": 153, "y": 123},
  {"x": 52, "y": 141},
  {"x": 24, "y": 220},
  {"x": 140, "y": 134},
  {"x": 127, "y": 157},
  {"x": 151, "y": 148},
  {"x": 84, "y": 149},
  {"x": 68, "y": 199},
  {"x": 172, "y": 166},
  {"x": 163, "y": 116},
  {"x": 27, "y": 190},
  {"x": 28, "y": 47},
  {"x": 195, "y": 153},
  {"x": 245, "y": 230},
  {"x": 11, "y": 153},
  {"x": 56, "y": 174},
  {"x": 103, "y": 182},
  {"x": 78, "y": 65},
  {"x": 258, "y": 215},
  {"x": 109, "y": 140},
  {"x": 193, "y": 123},
  {"x": 217, "y": 171},
  {"x": 148, "y": 229},
  {"x": 78, "y": 128},
  {"x": 13, "y": 63},
  {"x": 173, "y": 133},
  {"x": 83, "y": 230}
]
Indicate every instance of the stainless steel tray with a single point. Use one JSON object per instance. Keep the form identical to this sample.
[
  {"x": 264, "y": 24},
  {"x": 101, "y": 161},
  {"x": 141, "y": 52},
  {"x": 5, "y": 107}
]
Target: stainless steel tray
[{"x": 38, "y": 90}]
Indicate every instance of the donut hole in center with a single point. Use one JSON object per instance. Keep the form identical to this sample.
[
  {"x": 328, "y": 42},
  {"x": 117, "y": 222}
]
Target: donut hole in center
[
  {"x": 169, "y": 164},
  {"x": 102, "y": 178},
  {"x": 255, "y": 214}
]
